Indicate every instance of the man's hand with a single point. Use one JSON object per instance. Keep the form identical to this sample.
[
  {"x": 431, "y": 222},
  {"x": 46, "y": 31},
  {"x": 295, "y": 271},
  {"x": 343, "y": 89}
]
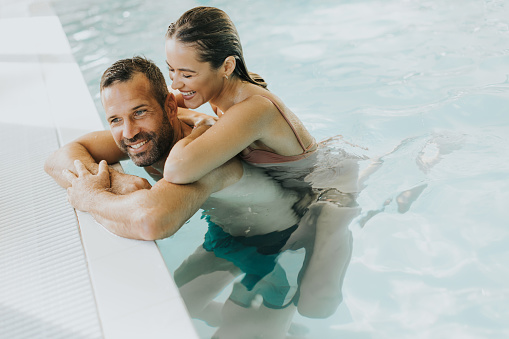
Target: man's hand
[
  {"x": 125, "y": 183},
  {"x": 84, "y": 185}
]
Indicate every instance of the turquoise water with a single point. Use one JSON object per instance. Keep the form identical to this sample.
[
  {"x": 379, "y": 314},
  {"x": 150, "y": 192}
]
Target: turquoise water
[{"x": 424, "y": 85}]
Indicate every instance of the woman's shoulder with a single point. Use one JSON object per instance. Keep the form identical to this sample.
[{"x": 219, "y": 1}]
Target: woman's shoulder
[
  {"x": 264, "y": 101},
  {"x": 257, "y": 103}
]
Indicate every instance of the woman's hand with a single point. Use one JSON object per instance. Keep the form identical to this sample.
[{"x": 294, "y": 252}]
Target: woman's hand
[
  {"x": 198, "y": 120},
  {"x": 205, "y": 121},
  {"x": 195, "y": 119}
]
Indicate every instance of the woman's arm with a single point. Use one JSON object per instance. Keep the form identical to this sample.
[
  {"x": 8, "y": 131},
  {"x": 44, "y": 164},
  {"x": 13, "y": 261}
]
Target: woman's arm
[{"x": 206, "y": 149}]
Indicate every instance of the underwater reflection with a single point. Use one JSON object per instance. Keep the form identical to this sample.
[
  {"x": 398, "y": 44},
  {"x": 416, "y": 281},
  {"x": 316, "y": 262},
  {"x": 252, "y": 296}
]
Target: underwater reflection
[
  {"x": 408, "y": 165},
  {"x": 284, "y": 250},
  {"x": 280, "y": 252}
]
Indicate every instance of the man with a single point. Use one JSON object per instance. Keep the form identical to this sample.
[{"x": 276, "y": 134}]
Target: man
[{"x": 144, "y": 126}]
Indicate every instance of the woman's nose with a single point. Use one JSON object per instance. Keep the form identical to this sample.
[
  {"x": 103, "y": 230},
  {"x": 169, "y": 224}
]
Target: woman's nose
[{"x": 176, "y": 82}]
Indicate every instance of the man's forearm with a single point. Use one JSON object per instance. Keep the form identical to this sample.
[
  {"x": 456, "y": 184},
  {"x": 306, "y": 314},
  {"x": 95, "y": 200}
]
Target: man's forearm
[
  {"x": 123, "y": 215},
  {"x": 89, "y": 149},
  {"x": 64, "y": 158},
  {"x": 146, "y": 214}
]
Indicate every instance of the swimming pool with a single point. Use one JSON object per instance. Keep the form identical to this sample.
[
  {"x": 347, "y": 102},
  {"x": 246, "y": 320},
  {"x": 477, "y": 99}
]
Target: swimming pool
[{"x": 424, "y": 83}]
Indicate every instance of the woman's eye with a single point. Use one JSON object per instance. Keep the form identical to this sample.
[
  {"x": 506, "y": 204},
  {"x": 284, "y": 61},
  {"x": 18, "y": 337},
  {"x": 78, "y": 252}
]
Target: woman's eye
[{"x": 186, "y": 76}]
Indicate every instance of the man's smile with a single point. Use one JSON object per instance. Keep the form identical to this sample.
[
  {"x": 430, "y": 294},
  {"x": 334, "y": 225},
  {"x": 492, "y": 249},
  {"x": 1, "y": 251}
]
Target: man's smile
[{"x": 138, "y": 145}]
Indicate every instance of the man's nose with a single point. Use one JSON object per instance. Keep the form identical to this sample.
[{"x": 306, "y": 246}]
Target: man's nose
[{"x": 130, "y": 130}]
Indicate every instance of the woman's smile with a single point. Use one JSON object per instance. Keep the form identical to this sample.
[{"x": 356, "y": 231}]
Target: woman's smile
[{"x": 188, "y": 95}]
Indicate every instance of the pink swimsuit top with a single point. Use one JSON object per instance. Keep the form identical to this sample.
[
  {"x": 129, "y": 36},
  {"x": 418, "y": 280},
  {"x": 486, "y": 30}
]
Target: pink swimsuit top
[{"x": 260, "y": 156}]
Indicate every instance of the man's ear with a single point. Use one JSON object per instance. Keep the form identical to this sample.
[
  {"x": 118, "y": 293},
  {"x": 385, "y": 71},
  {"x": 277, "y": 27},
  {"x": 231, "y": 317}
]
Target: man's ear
[
  {"x": 170, "y": 104},
  {"x": 229, "y": 65}
]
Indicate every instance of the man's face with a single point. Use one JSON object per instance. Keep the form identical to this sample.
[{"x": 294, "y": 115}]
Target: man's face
[{"x": 139, "y": 125}]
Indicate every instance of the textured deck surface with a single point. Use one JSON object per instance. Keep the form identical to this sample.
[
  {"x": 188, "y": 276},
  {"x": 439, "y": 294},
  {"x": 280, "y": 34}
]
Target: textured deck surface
[
  {"x": 62, "y": 276},
  {"x": 45, "y": 288}
]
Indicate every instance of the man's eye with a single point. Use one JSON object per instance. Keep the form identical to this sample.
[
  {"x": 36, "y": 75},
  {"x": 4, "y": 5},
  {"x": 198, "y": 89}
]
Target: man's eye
[
  {"x": 114, "y": 121},
  {"x": 139, "y": 112}
]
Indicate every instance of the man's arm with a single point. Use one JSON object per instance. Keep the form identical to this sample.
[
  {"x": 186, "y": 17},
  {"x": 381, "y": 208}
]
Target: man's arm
[
  {"x": 90, "y": 149},
  {"x": 145, "y": 214}
]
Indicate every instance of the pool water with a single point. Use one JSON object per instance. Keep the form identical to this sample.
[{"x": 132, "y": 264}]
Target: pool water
[{"x": 421, "y": 86}]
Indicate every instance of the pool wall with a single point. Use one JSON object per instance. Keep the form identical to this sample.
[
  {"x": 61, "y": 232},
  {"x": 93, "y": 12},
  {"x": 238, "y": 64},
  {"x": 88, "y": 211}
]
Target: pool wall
[{"x": 127, "y": 288}]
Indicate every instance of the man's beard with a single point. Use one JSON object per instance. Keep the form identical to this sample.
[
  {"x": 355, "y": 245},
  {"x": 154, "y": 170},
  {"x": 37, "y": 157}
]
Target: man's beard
[{"x": 161, "y": 144}]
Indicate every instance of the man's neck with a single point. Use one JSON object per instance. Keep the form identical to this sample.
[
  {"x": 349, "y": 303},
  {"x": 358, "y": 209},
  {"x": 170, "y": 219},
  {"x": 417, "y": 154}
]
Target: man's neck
[
  {"x": 184, "y": 131},
  {"x": 180, "y": 131}
]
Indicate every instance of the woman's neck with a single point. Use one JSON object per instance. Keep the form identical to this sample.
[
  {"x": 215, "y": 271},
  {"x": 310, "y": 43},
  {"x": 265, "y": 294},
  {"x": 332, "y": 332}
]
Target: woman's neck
[{"x": 233, "y": 92}]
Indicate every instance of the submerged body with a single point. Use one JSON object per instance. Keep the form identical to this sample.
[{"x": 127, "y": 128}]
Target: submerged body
[{"x": 249, "y": 206}]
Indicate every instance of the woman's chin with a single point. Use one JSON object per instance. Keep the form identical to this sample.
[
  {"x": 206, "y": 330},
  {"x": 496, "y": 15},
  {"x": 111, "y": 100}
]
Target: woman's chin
[{"x": 192, "y": 104}]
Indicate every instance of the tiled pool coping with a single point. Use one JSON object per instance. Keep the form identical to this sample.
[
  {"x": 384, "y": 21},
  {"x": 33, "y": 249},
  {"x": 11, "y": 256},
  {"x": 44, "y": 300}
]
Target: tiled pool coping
[{"x": 135, "y": 295}]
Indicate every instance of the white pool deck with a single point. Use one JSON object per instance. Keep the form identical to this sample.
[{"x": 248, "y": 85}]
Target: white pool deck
[{"x": 42, "y": 90}]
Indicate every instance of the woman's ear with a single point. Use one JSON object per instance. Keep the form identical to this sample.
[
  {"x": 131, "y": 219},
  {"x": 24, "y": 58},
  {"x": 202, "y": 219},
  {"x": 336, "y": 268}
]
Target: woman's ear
[
  {"x": 170, "y": 104},
  {"x": 229, "y": 65}
]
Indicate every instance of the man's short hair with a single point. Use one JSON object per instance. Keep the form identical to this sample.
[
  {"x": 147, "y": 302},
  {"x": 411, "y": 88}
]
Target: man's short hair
[{"x": 125, "y": 69}]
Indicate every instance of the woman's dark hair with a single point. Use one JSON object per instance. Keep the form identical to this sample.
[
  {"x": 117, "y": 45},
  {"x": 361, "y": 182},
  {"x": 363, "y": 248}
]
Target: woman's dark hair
[
  {"x": 215, "y": 37},
  {"x": 125, "y": 70}
]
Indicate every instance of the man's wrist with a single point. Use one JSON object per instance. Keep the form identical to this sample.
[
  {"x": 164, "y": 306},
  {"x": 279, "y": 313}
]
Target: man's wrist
[{"x": 96, "y": 197}]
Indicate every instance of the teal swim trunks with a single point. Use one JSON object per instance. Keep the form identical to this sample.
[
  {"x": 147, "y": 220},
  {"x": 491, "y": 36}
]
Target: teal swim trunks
[{"x": 257, "y": 257}]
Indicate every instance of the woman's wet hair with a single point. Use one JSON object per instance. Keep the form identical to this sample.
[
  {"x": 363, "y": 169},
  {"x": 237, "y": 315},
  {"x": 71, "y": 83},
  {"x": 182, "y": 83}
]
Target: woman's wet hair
[
  {"x": 125, "y": 69},
  {"x": 213, "y": 34}
]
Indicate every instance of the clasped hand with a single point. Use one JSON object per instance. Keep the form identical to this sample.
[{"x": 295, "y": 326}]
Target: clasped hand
[{"x": 85, "y": 185}]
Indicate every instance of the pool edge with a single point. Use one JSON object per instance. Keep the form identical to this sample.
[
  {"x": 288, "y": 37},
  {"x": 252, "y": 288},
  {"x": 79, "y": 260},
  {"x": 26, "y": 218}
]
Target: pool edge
[{"x": 134, "y": 292}]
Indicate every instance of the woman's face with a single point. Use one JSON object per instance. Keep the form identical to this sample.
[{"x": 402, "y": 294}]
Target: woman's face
[{"x": 197, "y": 81}]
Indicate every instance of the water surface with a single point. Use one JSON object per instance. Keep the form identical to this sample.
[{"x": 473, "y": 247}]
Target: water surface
[{"x": 423, "y": 87}]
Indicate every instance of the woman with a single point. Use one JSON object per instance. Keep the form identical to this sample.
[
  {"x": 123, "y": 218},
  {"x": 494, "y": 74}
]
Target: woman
[{"x": 206, "y": 64}]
